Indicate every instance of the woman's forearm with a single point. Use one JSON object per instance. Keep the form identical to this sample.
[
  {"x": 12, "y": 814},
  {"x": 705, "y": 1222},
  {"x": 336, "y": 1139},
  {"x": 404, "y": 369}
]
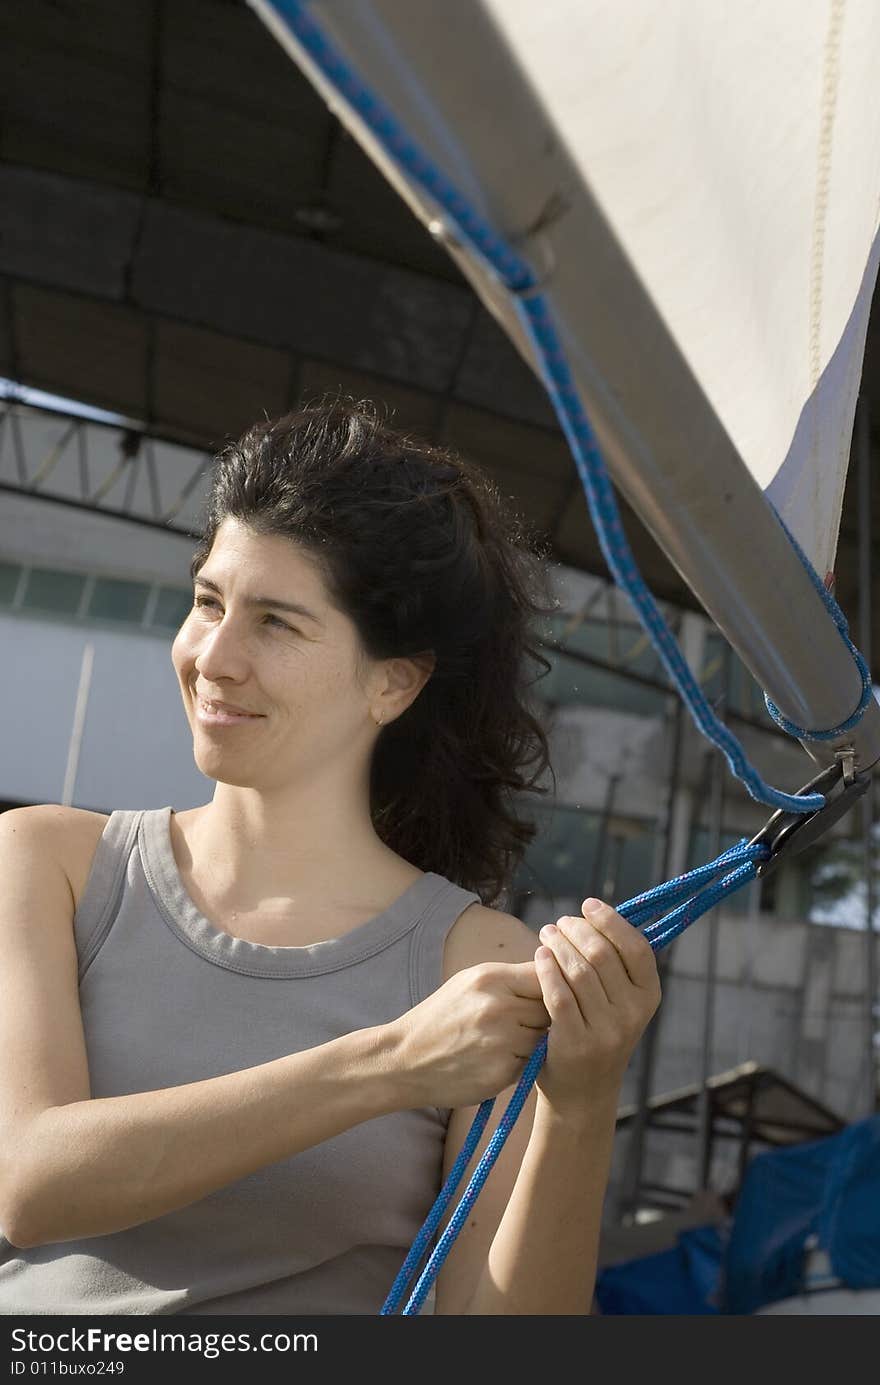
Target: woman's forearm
[
  {"x": 543, "y": 1257},
  {"x": 99, "y": 1166}
]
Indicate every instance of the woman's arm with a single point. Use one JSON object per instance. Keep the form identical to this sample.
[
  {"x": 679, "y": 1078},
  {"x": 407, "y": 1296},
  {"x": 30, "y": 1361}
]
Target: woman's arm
[
  {"x": 531, "y": 1243},
  {"x": 98, "y": 1166},
  {"x": 543, "y": 1256},
  {"x": 73, "y": 1166}
]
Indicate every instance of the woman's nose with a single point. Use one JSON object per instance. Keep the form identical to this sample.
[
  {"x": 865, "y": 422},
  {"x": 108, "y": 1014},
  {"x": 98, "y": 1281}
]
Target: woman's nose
[{"x": 221, "y": 652}]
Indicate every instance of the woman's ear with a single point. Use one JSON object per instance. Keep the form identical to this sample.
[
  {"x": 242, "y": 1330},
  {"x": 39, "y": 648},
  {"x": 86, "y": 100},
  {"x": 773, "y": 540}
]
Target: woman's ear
[{"x": 405, "y": 679}]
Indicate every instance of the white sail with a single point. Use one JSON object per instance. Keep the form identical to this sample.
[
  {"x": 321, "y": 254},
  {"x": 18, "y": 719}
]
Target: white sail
[
  {"x": 735, "y": 151},
  {"x": 697, "y": 185}
]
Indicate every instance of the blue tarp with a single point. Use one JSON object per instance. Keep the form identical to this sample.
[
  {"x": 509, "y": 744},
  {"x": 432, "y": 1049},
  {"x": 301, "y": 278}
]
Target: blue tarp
[
  {"x": 830, "y": 1189},
  {"x": 682, "y": 1280}
]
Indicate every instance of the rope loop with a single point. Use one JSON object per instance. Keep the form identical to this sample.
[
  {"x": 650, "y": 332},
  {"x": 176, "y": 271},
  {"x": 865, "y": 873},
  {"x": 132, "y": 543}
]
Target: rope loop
[{"x": 840, "y": 621}]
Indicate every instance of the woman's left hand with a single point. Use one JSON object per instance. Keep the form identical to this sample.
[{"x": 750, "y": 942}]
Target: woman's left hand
[{"x": 600, "y": 985}]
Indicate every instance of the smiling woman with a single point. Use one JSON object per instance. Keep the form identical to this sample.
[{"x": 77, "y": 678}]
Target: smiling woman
[
  {"x": 244, "y": 1043},
  {"x": 397, "y": 561}
]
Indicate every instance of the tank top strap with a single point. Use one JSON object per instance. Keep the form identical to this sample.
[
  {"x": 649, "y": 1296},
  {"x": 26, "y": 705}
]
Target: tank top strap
[
  {"x": 446, "y": 904},
  {"x": 101, "y": 897}
]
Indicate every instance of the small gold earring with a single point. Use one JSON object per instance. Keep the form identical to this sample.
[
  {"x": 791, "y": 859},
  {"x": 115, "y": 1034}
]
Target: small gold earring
[{"x": 378, "y": 720}]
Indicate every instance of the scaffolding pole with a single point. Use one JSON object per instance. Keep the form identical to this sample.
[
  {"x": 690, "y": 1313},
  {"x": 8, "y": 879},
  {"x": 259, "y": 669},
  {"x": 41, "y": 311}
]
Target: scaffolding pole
[
  {"x": 716, "y": 819},
  {"x": 863, "y": 444},
  {"x": 635, "y": 1150}
]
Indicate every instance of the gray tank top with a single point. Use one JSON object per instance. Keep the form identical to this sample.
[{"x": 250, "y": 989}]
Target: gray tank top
[{"x": 167, "y": 999}]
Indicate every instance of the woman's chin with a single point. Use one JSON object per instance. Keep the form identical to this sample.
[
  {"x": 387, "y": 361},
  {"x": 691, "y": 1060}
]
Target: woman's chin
[
  {"x": 222, "y": 774},
  {"x": 217, "y": 762}
]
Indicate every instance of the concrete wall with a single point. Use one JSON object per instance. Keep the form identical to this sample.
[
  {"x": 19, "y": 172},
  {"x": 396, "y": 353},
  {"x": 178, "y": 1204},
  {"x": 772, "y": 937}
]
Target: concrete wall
[
  {"x": 788, "y": 994},
  {"x": 136, "y": 747}
]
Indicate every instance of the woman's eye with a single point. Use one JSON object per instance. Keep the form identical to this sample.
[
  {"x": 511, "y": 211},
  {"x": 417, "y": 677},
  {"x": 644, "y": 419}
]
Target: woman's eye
[{"x": 209, "y": 601}]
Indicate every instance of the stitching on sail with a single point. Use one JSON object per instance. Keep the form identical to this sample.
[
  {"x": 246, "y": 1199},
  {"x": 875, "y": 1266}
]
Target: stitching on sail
[{"x": 828, "y": 110}]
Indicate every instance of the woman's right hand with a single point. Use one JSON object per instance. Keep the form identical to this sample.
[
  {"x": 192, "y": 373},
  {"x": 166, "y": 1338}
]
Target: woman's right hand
[{"x": 471, "y": 1037}]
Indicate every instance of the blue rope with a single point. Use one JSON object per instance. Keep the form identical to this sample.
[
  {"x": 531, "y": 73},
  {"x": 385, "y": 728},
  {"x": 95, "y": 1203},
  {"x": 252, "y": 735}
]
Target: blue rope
[
  {"x": 537, "y": 325},
  {"x": 739, "y": 864},
  {"x": 839, "y": 619},
  {"x": 432, "y": 1221},
  {"x": 472, "y": 1191},
  {"x": 534, "y": 315}
]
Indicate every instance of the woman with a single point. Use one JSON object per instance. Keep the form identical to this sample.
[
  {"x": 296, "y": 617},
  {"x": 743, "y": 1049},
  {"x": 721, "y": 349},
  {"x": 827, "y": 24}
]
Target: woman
[{"x": 243, "y": 1044}]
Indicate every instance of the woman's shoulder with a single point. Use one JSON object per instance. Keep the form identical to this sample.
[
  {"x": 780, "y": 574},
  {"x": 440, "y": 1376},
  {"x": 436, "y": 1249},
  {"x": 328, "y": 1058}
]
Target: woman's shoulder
[
  {"x": 72, "y": 835},
  {"x": 483, "y": 934}
]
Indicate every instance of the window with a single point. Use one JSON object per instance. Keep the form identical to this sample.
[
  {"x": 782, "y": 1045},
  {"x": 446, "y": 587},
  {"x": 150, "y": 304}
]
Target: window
[
  {"x": 571, "y": 682},
  {"x": 561, "y": 857},
  {"x": 742, "y": 693},
  {"x": 51, "y": 591},
  {"x": 9, "y": 575},
  {"x": 629, "y": 860},
  {"x": 113, "y": 599},
  {"x": 56, "y": 592},
  {"x": 172, "y": 608}
]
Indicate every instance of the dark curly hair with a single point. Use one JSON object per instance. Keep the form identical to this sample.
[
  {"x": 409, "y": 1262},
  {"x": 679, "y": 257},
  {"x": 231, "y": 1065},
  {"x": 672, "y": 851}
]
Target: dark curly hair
[{"x": 417, "y": 549}]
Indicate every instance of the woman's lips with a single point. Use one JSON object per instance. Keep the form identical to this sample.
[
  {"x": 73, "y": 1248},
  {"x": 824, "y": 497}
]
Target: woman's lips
[{"x": 209, "y": 714}]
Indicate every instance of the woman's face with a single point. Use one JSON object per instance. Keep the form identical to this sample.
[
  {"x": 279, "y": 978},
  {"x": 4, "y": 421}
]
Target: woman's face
[{"x": 296, "y": 671}]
